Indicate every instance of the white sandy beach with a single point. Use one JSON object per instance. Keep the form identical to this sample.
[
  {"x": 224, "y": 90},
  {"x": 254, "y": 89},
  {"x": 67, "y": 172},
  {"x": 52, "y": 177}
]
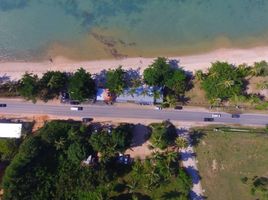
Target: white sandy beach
[{"x": 15, "y": 70}]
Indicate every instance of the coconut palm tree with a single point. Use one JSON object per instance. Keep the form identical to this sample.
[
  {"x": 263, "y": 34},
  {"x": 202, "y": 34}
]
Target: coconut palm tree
[
  {"x": 263, "y": 85},
  {"x": 227, "y": 83},
  {"x": 199, "y": 75},
  {"x": 181, "y": 142}
]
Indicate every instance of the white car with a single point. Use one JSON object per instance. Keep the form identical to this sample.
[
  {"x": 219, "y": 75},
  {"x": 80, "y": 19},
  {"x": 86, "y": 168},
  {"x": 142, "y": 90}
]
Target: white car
[
  {"x": 158, "y": 108},
  {"x": 76, "y": 108},
  {"x": 216, "y": 115}
]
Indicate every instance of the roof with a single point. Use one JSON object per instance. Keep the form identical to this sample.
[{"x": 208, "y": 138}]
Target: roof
[
  {"x": 10, "y": 130},
  {"x": 139, "y": 95}
]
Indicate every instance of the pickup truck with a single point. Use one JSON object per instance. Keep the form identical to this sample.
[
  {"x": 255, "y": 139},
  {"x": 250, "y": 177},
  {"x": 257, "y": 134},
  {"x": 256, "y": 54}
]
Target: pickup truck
[{"x": 76, "y": 108}]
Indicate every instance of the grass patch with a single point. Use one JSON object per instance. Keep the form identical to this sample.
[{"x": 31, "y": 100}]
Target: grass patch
[{"x": 228, "y": 156}]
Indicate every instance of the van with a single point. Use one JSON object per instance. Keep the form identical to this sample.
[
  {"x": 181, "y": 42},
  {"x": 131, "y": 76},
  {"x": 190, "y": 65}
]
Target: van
[{"x": 76, "y": 108}]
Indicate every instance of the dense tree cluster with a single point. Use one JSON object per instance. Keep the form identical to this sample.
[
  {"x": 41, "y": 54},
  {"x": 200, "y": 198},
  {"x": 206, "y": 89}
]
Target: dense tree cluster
[
  {"x": 108, "y": 144},
  {"x": 80, "y": 85},
  {"x": 222, "y": 81},
  {"x": 162, "y": 74},
  {"x": 8, "y": 148},
  {"x": 48, "y": 165},
  {"x": 163, "y": 134}
]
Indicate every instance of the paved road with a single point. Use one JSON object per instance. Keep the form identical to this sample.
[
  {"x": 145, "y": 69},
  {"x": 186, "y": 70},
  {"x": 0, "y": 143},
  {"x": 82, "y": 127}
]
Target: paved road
[{"x": 14, "y": 107}]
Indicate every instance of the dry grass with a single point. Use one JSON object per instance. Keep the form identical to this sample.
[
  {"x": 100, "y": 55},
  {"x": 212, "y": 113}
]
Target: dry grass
[
  {"x": 197, "y": 95},
  {"x": 224, "y": 158}
]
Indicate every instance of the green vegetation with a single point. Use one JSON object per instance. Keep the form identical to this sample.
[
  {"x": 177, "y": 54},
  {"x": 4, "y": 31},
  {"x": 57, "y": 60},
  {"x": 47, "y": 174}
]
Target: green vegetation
[
  {"x": 116, "y": 81},
  {"x": 163, "y": 134},
  {"x": 108, "y": 144},
  {"x": 51, "y": 84},
  {"x": 173, "y": 80},
  {"x": 49, "y": 165},
  {"x": 260, "y": 69},
  {"x": 222, "y": 82},
  {"x": 159, "y": 177},
  {"x": 29, "y": 86},
  {"x": 8, "y": 148},
  {"x": 81, "y": 86},
  {"x": 228, "y": 157}
]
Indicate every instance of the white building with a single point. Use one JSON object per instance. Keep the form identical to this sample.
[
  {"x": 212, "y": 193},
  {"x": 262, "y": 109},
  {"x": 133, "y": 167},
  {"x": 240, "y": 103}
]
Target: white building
[{"x": 10, "y": 130}]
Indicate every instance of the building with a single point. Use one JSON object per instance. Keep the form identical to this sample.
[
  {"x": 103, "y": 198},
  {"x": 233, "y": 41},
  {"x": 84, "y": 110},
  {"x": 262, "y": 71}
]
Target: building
[
  {"x": 10, "y": 130},
  {"x": 139, "y": 95}
]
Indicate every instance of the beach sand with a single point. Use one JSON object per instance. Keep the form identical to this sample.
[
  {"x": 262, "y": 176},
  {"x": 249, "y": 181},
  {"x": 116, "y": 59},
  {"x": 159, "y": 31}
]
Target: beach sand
[{"x": 14, "y": 70}]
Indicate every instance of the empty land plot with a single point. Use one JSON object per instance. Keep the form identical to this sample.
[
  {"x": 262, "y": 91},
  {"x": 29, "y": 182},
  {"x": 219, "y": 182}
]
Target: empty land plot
[{"x": 226, "y": 157}]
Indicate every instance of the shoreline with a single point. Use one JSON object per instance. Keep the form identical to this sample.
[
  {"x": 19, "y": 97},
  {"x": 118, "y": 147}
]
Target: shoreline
[{"x": 14, "y": 70}]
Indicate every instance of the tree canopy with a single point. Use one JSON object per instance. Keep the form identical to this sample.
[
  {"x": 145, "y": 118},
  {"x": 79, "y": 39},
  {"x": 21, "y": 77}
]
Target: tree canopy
[
  {"x": 28, "y": 87},
  {"x": 51, "y": 84},
  {"x": 163, "y": 134},
  {"x": 116, "y": 80},
  {"x": 162, "y": 74},
  {"x": 110, "y": 143},
  {"x": 222, "y": 81},
  {"x": 81, "y": 85}
]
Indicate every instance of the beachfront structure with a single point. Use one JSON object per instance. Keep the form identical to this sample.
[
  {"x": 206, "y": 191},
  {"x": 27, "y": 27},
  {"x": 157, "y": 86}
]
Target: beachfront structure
[
  {"x": 139, "y": 95},
  {"x": 10, "y": 130}
]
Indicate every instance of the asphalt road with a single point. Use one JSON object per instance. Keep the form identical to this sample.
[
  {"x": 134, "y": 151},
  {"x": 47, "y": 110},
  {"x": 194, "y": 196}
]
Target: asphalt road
[{"x": 127, "y": 112}]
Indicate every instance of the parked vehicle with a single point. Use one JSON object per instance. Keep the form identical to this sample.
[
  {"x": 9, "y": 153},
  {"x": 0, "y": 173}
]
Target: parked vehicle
[
  {"x": 87, "y": 119},
  {"x": 235, "y": 116},
  {"x": 178, "y": 107},
  {"x": 208, "y": 119},
  {"x": 74, "y": 102},
  {"x": 3, "y": 105},
  {"x": 216, "y": 115},
  {"x": 76, "y": 108},
  {"x": 158, "y": 107}
]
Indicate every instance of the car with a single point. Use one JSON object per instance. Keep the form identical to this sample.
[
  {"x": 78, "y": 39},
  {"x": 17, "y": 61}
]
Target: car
[
  {"x": 178, "y": 107},
  {"x": 3, "y": 105},
  {"x": 208, "y": 119},
  {"x": 76, "y": 108},
  {"x": 216, "y": 115},
  {"x": 158, "y": 108},
  {"x": 87, "y": 119},
  {"x": 235, "y": 116},
  {"x": 74, "y": 102}
]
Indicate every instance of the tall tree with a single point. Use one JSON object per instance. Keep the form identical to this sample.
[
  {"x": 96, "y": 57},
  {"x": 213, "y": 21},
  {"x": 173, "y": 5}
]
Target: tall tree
[
  {"x": 29, "y": 86},
  {"x": 115, "y": 80},
  {"x": 81, "y": 85},
  {"x": 51, "y": 84},
  {"x": 158, "y": 73}
]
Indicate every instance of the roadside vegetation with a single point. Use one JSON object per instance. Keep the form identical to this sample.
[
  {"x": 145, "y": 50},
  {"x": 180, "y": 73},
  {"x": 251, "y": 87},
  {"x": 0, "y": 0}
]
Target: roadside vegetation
[
  {"x": 222, "y": 85},
  {"x": 232, "y": 161},
  {"x": 54, "y": 164}
]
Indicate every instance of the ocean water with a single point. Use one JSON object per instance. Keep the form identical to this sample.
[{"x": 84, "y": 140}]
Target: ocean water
[{"x": 96, "y": 29}]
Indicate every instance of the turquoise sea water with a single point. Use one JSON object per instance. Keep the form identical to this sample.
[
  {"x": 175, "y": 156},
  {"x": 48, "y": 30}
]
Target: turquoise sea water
[{"x": 95, "y": 29}]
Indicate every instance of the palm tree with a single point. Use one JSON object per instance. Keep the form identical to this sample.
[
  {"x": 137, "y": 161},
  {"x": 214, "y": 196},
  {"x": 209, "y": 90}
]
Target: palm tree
[
  {"x": 181, "y": 142},
  {"x": 227, "y": 83},
  {"x": 214, "y": 74},
  {"x": 171, "y": 100},
  {"x": 263, "y": 85},
  {"x": 199, "y": 75},
  {"x": 59, "y": 144}
]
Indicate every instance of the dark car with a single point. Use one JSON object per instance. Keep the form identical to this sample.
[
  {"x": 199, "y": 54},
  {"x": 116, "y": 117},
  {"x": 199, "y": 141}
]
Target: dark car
[
  {"x": 178, "y": 108},
  {"x": 235, "y": 116},
  {"x": 3, "y": 105},
  {"x": 87, "y": 119},
  {"x": 74, "y": 102},
  {"x": 208, "y": 119}
]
